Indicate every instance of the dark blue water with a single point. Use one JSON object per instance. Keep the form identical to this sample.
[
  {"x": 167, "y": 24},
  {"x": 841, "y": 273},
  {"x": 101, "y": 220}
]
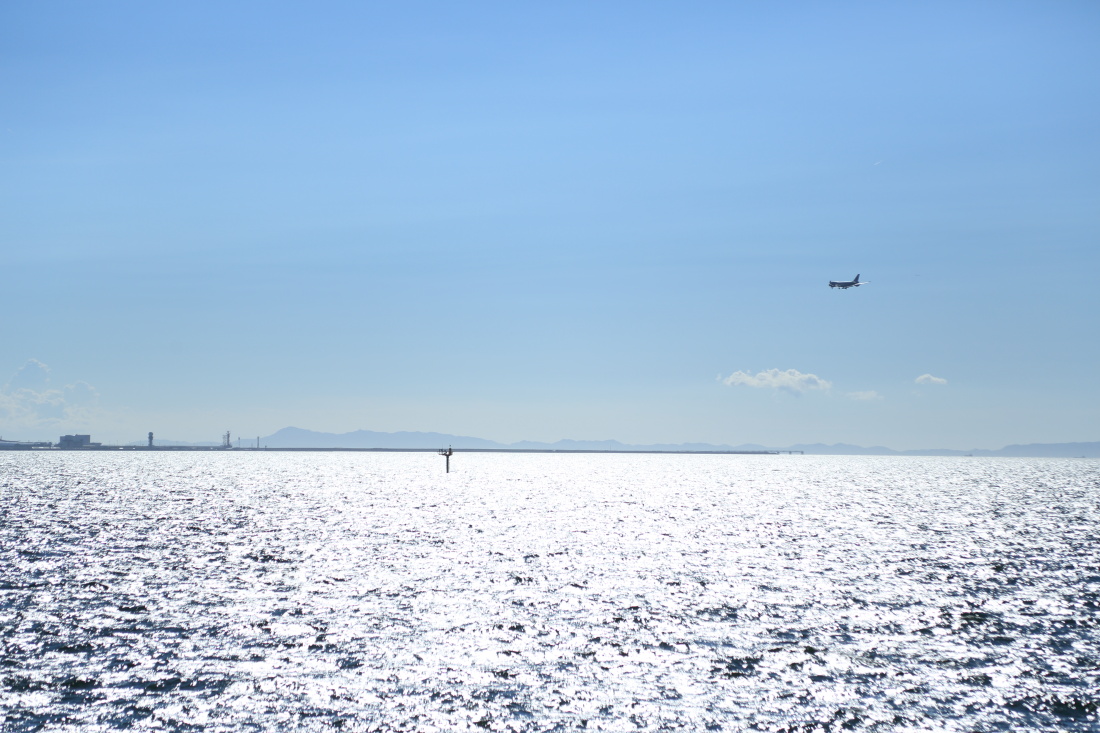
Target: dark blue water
[{"x": 548, "y": 592}]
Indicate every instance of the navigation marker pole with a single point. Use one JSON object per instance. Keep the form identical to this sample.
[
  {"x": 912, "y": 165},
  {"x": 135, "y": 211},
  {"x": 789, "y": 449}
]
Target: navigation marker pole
[{"x": 447, "y": 454}]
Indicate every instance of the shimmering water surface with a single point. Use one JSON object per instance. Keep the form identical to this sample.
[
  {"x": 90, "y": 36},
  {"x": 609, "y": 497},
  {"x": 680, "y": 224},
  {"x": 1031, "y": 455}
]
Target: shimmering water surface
[{"x": 233, "y": 591}]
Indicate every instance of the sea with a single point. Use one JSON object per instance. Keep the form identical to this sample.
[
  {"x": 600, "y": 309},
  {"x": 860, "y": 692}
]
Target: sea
[{"x": 249, "y": 591}]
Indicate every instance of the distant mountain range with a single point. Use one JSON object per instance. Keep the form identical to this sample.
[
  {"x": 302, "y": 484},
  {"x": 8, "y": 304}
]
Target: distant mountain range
[{"x": 300, "y": 438}]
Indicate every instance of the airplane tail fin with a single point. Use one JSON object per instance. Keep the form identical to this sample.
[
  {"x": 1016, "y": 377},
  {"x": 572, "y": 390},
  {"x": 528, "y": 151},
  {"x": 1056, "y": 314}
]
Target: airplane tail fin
[{"x": 857, "y": 278}]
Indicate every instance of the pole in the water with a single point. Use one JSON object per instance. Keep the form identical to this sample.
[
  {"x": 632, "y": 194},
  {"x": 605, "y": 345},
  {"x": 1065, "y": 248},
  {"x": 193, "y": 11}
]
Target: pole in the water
[{"x": 447, "y": 454}]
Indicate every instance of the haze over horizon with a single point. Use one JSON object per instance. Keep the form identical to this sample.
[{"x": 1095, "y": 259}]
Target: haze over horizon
[
  {"x": 294, "y": 438},
  {"x": 544, "y": 223}
]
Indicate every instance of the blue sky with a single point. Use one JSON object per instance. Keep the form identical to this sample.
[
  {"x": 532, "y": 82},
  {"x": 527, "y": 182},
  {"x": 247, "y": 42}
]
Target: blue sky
[{"x": 572, "y": 220}]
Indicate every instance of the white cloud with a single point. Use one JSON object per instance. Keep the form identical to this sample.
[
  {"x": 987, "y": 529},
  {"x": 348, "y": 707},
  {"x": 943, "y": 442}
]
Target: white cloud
[
  {"x": 34, "y": 375},
  {"x": 791, "y": 380},
  {"x": 929, "y": 379},
  {"x": 864, "y": 396},
  {"x": 27, "y": 401}
]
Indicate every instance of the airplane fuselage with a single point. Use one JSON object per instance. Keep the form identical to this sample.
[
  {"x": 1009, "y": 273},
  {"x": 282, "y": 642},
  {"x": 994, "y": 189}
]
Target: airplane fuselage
[{"x": 845, "y": 284}]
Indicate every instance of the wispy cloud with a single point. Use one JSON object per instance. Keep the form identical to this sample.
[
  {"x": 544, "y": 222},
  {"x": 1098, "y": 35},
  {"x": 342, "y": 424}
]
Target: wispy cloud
[
  {"x": 864, "y": 396},
  {"x": 34, "y": 375},
  {"x": 791, "y": 380},
  {"x": 28, "y": 401},
  {"x": 929, "y": 379}
]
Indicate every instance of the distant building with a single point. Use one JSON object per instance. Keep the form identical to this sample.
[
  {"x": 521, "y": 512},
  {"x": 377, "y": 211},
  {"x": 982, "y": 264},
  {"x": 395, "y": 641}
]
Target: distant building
[
  {"x": 23, "y": 444},
  {"x": 77, "y": 441}
]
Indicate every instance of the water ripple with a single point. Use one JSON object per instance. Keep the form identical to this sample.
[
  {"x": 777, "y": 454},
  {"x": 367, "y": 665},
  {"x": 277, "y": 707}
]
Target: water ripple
[{"x": 547, "y": 592}]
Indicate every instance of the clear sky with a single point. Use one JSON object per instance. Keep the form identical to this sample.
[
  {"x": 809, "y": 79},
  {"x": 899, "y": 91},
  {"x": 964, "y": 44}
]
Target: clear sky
[{"x": 552, "y": 220}]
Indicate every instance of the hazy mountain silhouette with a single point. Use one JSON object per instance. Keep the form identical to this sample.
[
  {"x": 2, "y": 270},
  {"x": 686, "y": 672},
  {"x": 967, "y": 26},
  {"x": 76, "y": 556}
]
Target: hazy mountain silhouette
[{"x": 300, "y": 438}]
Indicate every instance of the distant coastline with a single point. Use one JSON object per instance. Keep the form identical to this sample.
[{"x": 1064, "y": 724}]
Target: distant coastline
[
  {"x": 299, "y": 439},
  {"x": 262, "y": 449}
]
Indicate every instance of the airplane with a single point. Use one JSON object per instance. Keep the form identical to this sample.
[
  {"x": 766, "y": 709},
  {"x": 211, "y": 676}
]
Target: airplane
[{"x": 845, "y": 284}]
